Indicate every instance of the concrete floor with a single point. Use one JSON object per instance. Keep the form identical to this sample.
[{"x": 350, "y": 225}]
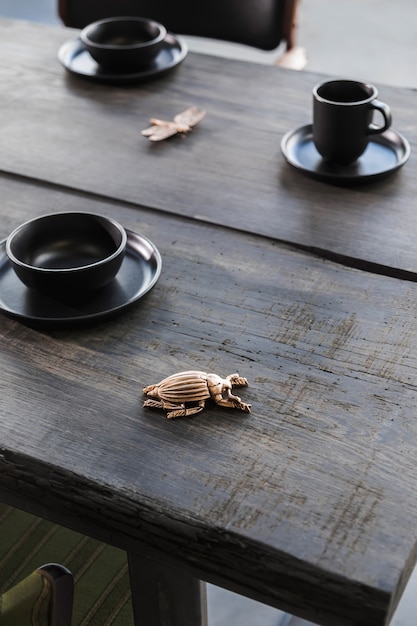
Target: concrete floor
[{"x": 373, "y": 40}]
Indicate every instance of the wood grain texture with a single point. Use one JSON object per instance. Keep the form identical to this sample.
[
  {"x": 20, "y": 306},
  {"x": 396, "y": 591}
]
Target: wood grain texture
[
  {"x": 229, "y": 170},
  {"x": 308, "y": 503}
]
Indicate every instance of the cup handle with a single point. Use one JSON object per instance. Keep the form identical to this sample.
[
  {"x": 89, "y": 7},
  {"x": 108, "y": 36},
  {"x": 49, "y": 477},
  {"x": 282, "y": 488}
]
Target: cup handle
[{"x": 386, "y": 114}]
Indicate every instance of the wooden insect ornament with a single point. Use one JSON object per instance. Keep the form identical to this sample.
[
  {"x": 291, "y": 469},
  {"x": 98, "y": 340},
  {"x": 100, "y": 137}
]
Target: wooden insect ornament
[
  {"x": 193, "y": 388},
  {"x": 182, "y": 123}
]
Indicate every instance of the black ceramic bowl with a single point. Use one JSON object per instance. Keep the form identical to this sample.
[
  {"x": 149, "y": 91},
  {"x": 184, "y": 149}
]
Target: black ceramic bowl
[
  {"x": 123, "y": 43},
  {"x": 67, "y": 253}
]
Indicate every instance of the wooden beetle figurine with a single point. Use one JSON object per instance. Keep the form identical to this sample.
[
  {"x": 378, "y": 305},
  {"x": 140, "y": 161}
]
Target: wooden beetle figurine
[{"x": 194, "y": 387}]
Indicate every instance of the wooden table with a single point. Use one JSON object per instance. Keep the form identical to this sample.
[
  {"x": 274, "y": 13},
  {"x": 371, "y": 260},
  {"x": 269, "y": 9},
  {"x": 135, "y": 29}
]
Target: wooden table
[{"x": 307, "y": 289}]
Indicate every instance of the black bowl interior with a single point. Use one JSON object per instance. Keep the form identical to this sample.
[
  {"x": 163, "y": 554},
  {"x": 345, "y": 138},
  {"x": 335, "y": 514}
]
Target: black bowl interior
[
  {"x": 66, "y": 241},
  {"x": 123, "y": 33}
]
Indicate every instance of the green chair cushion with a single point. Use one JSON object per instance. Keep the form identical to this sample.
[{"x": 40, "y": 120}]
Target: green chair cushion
[
  {"x": 27, "y": 603},
  {"x": 101, "y": 576}
]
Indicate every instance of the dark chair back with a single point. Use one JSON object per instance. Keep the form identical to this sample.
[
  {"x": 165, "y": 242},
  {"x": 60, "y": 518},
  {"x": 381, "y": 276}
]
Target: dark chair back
[
  {"x": 261, "y": 24},
  {"x": 62, "y": 585}
]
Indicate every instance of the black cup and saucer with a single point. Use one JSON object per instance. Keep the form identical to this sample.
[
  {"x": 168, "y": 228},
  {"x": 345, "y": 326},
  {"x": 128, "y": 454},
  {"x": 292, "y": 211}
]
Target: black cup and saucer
[
  {"x": 343, "y": 145},
  {"x": 70, "y": 269},
  {"x": 123, "y": 50}
]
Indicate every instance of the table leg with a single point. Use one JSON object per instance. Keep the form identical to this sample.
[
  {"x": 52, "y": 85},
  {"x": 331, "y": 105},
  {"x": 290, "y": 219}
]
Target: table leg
[{"x": 165, "y": 596}]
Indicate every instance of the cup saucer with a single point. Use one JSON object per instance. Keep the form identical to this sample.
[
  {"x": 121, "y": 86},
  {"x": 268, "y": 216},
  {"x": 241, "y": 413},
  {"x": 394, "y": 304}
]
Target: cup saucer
[
  {"x": 139, "y": 272},
  {"x": 385, "y": 153},
  {"x": 74, "y": 56}
]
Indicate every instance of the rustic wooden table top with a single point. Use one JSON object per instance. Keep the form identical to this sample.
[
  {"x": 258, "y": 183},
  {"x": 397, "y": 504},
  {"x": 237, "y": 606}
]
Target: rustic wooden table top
[{"x": 307, "y": 289}]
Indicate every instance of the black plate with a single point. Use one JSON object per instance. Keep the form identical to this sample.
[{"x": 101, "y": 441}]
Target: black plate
[
  {"x": 139, "y": 272},
  {"x": 76, "y": 59},
  {"x": 385, "y": 153}
]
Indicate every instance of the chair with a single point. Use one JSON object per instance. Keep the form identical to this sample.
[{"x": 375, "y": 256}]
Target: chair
[
  {"x": 43, "y": 598},
  {"x": 101, "y": 574},
  {"x": 262, "y": 24}
]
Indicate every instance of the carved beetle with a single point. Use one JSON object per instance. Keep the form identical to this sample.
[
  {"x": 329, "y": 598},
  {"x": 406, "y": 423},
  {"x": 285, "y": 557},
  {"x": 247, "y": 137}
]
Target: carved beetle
[{"x": 194, "y": 387}]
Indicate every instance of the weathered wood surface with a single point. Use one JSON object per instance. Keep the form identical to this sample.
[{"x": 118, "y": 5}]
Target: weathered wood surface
[
  {"x": 64, "y": 129},
  {"x": 308, "y": 503}
]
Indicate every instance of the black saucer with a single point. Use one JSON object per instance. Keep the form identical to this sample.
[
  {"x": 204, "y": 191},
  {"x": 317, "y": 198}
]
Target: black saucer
[
  {"x": 139, "y": 272},
  {"x": 385, "y": 153},
  {"x": 77, "y": 60}
]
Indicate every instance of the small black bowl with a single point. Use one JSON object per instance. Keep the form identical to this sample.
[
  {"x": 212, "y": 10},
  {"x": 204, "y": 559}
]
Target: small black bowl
[
  {"x": 67, "y": 253},
  {"x": 123, "y": 43}
]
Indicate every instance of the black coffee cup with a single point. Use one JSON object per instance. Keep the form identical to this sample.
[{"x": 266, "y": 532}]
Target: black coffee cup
[{"x": 342, "y": 119}]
